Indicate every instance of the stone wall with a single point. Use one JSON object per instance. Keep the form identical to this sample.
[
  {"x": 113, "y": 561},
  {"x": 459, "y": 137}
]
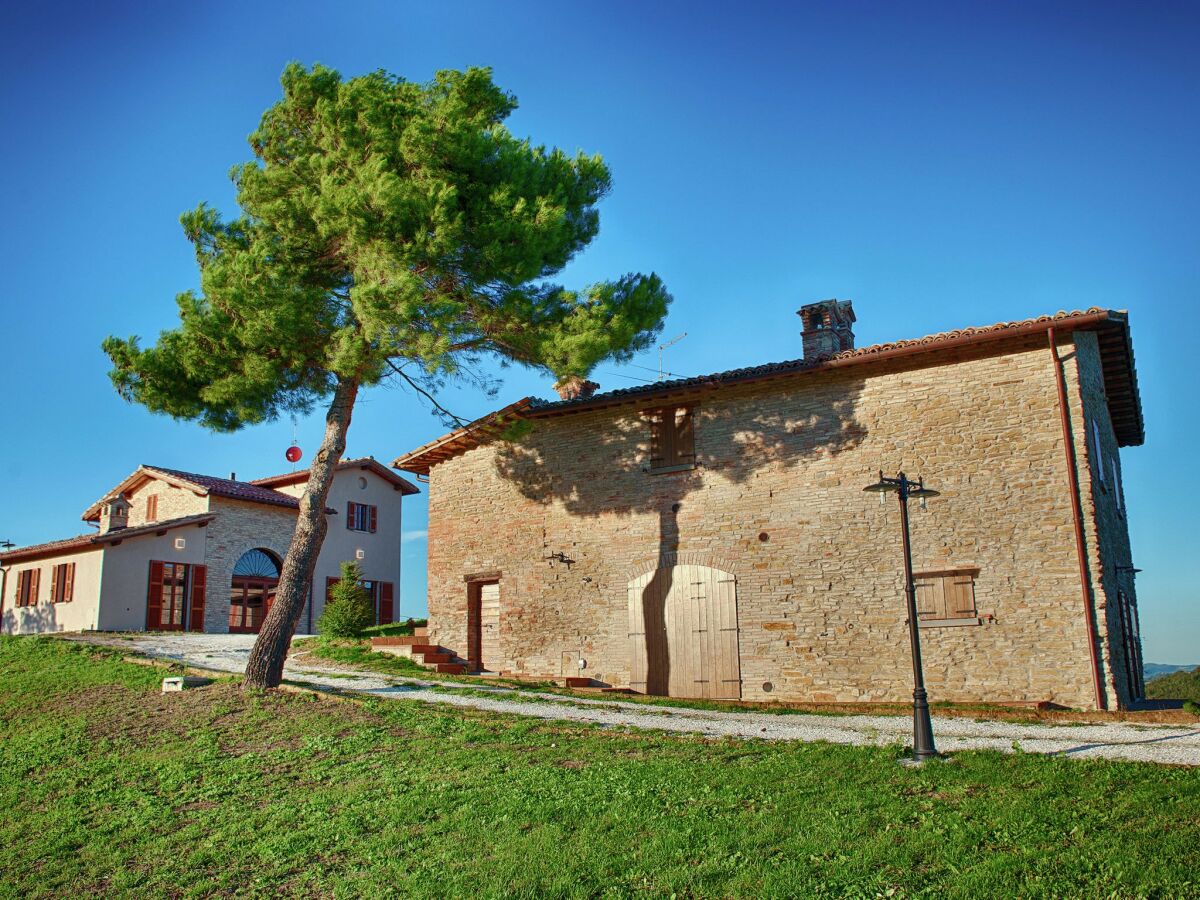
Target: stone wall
[
  {"x": 240, "y": 527},
  {"x": 173, "y": 502},
  {"x": 776, "y": 500},
  {"x": 1105, "y": 524}
]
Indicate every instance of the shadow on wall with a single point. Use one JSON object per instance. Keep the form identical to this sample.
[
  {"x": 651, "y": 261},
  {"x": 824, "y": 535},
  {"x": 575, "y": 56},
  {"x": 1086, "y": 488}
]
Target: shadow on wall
[
  {"x": 813, "y": 420},
  {"x": 40, "y": 619}
]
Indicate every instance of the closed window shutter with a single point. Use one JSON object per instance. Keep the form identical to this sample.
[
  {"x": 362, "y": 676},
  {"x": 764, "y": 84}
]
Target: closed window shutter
[
  {"x": 685, "y": 447},
  {"x": 350, "y": 515},
  {"x": 929, "y": 596},
  {"x": 154, "y": 596},
  {"x": 656, "y": 439},
  {"x": 374, "y": 517},
  {"x": 69, "y": 590},
  {"x": 667, "y": 428},
  {"x": 35, "y": 582},
  {"x": 386, "y": 603},
  {"x": 196, "y": 609},
  {"x": 961, "y": 591},
  {"x": 54, "y": 598},
  {"x": 329, "y": 583},
  {"x": 152, "y": 508}
]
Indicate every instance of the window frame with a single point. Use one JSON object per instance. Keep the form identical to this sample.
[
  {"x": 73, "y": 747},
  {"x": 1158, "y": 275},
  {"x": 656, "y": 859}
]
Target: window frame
[
  {"x": 62, "y": 583},
  {"x": 945, "y": 614},
  {"x": 679, "y": 446},
  {"x": 365, "y": 515}
]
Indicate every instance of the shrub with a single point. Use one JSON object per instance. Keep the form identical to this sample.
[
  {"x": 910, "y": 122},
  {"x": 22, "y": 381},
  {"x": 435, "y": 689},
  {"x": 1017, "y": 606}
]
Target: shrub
[{"x": 349, "y": 611}]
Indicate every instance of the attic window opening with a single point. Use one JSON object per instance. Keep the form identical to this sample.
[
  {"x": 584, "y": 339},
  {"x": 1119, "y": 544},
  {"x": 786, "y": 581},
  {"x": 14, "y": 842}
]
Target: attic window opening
[{"x": 672, "y": 438}]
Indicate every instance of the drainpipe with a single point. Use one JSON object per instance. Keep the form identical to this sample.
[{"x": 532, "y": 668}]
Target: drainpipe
[
  {"x": 1077, "y": 515},
  {"x": 3, "y": 589}
]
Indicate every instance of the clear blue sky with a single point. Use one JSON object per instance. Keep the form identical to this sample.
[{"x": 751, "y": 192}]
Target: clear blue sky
[{"x": 941, "y": 165}]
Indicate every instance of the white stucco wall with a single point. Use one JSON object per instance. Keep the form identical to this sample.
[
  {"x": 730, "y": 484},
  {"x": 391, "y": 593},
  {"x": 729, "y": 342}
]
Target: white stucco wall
[
  {"x": 127, "y": 574},
  {"x": 381, "y": 550},
  {"x": 79, "y": 614}
]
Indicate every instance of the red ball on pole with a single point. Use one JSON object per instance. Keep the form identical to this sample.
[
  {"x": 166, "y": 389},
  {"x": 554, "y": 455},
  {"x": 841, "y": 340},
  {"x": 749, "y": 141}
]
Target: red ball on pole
[{"x": 293, "y": 453}]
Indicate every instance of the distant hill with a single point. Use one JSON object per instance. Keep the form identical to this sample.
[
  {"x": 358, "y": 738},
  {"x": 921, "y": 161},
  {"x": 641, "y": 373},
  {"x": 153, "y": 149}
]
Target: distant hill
[
  {"x": 1178, "y": 685},
  {"x": 1153, "y": 670}
]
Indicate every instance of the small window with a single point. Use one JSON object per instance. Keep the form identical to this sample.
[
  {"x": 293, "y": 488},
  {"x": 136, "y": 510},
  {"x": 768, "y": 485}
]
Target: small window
[
  {"x": 1116, "y": 483},
  {"x": 948, "y": 594},
  {"x": 62, "y": 583},
  {"x": 152, "y": 508},
  {"x": 362, "y": 517},
  {"x": 27, "y": 587},
  {"x": 672, "y": 438}
]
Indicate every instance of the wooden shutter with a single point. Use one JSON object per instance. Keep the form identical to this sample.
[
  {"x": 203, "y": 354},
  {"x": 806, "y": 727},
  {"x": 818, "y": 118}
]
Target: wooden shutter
[
  {"x": 23, "y": 588},
  {"x": 54, "y": 598},
  {"x": 657, "y": 459},
  {"x": 374, "y": 517},
  {"x": 960, "y": 592},
  {"x": 154, "y": 596},
  {"x": 196, "y": 610},
  {"x": 152, "y": 508},
  {"x": 929, "y": 597},
  {"x": 35, "y": 582},
  {"x": 386, "y": 616},
  {"x": 69, "y": 590},
  {"x": 329, "y": 583},
  {"x": 350, "y": 515},
  {"x": 685, "y": 449}
]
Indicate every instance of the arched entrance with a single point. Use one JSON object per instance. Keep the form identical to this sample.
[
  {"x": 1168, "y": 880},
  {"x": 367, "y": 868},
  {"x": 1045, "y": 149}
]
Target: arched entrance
[
  {"x": 255, "y": 577},
  {"x": 683, "y": 633}
]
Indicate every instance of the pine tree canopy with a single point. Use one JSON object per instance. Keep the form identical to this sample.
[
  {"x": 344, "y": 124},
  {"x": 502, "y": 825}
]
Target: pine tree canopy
[{"x": 384, "y": 224}]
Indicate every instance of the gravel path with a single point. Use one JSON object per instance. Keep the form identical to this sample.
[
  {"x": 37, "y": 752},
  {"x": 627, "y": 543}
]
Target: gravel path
[{"x": 1113, "y": 740}]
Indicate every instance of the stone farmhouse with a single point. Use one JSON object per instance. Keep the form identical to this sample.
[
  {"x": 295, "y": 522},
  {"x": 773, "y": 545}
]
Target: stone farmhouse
[
  {"x": 177, "y": 551},
  {"x": 710, "y": 537}
]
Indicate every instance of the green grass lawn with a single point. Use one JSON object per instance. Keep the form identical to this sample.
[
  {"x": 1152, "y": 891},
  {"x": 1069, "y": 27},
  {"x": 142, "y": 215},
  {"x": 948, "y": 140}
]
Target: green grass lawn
[{"x": 108, "y": 786}]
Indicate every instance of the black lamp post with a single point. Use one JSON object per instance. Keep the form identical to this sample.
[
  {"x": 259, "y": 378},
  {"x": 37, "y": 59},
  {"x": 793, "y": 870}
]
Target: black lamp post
[{"x": 923, "y": 747}]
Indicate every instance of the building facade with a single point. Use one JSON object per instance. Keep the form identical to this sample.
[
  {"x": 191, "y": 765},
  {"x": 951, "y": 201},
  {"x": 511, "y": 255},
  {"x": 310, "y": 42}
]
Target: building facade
[
  {"x": 710, "y": 537},
  {"x": 181, "y": 551}
]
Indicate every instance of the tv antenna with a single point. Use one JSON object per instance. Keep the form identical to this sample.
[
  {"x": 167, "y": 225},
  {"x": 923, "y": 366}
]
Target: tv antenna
[
  {"x": 662, "y": 347},
  {"x": 6, "y": 545}
]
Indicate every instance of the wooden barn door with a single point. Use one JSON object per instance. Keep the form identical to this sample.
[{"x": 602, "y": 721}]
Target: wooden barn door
[
  {"x": 489, "y": 626},
  {"x": 683, "y": 633}
]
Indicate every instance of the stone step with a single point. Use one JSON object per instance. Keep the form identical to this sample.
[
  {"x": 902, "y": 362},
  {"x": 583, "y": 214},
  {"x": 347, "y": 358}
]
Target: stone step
[
  {"x": 421, "y": 631},
  {"x": 449, "y": 668},
  {"x": 404, "y": 640},
  {"x": 578, "y": 682}
]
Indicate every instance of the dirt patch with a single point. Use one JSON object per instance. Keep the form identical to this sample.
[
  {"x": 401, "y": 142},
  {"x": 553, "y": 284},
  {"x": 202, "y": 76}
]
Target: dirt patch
[{"x": 244, "y": 723}]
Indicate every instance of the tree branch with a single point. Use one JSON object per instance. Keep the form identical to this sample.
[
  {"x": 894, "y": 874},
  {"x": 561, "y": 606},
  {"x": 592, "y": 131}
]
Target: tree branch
[{"x": 459, "y": 420}]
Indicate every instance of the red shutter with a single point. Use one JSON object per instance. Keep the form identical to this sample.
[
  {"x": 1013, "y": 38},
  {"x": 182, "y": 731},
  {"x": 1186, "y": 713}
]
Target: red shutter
[
  {"x": 196, "y": 613},
  {"x": 329, "y": 583},
  {"x": 350, "y": 515},
  {"x": 154, "y": 596},
  {"x": 69, "y": 590},
  {"x": 374, "y": 517},
  {"x": 54, "y": 583},
  {"x": 386, "y": 612}
]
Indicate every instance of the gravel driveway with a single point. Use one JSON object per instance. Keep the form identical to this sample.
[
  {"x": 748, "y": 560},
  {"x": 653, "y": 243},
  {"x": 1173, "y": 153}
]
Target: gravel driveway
[{"x": 1113, "y": 740}]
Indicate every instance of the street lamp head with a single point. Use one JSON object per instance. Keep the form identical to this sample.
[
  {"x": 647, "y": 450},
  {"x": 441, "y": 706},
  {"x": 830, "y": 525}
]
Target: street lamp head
[{"x": 882, "y": 486}]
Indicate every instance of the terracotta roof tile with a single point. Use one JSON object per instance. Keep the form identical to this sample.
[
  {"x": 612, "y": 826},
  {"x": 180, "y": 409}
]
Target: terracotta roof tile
[
  {"x": 1116, "y": 350},
  {"x": 94, "y": 540}
]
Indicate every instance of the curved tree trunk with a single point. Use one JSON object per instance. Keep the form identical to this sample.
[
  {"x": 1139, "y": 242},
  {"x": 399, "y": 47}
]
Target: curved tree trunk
[{"x": 265, "y": 666}]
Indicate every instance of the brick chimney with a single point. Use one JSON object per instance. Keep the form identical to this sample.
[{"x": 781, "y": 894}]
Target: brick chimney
[
  {"x": 114, "y": 515},
  {"x": 573, "y": 387},
  {"x": 827, "y": 328}
]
